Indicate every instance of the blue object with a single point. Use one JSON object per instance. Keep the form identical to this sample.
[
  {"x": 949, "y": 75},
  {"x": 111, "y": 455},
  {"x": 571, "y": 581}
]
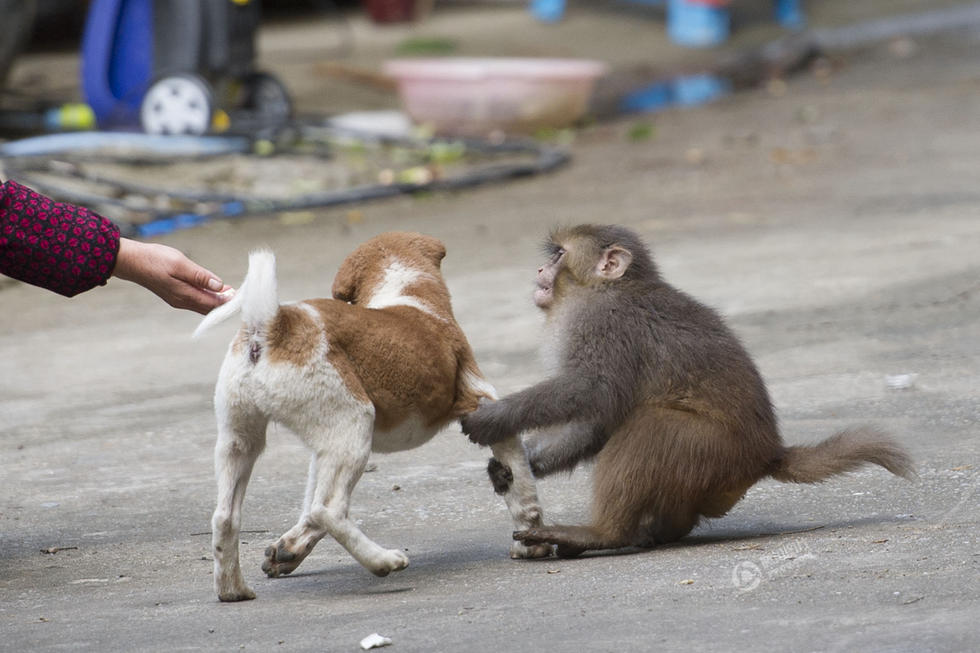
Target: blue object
[
  {"x": 52, "y": 144},
  {"x": 648, "y": 99},
  {"x": 697, "y": 24},
  {"x": 789, "y": 13},
  {"x": 117, "y": 59},
  {"x": 548, "y": 11},
  {"x": 169, "y": 225},
  {"x": 686, "y": 91},
  {"x": 692, "y": 90}
]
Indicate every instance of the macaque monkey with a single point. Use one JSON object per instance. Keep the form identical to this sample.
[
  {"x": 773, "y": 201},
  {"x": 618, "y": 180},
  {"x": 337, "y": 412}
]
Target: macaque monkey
[{"x": 655, "y": 387}]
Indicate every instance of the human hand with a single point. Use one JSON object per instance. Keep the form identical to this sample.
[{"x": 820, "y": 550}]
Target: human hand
[{"x": 176, "y": 279}]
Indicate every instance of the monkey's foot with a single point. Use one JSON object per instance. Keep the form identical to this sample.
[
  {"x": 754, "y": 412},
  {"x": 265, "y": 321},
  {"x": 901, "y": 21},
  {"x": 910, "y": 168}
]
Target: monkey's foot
[
  {"x": 569, "y": 541},
  {"x": 521, "y": 551},
  {"x": 535, "y": 536}
]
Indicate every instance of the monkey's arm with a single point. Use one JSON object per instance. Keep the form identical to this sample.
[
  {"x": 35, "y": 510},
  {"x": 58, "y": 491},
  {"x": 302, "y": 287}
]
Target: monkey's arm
[
  {"x": 562, "y": 399},
  {"x": 560, "y": 450}
]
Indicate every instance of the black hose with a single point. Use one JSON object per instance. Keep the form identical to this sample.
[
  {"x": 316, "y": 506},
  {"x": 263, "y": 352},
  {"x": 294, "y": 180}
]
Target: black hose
[{"x": 38, "y": 172}]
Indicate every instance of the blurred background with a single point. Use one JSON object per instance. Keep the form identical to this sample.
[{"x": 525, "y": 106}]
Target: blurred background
[{"x": 290, "y": 78}]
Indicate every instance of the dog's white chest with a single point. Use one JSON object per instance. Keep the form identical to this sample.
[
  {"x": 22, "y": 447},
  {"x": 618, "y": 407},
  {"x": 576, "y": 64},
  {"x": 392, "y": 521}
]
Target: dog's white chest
[{"x": 411, "y": 433}]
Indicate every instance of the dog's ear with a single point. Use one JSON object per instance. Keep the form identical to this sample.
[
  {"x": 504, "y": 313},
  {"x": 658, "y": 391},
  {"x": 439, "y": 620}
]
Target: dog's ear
[
  {"x": 345, "y": 283},
  {"x": 433, "y": 249},
  {"x": 343, "y": 292}
]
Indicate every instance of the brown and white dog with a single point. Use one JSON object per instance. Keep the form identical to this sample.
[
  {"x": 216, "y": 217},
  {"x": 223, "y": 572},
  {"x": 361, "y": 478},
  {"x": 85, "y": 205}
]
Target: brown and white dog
[{"x": 383, "y": 366}]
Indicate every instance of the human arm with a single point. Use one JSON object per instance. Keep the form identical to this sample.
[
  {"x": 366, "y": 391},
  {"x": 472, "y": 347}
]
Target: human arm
[
  {"x": 64, "y": 248},
  {"x": 68, "y": 249}
]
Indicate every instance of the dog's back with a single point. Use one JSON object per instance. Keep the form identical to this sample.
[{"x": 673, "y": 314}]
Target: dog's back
[{"x": 389, "y": 338}]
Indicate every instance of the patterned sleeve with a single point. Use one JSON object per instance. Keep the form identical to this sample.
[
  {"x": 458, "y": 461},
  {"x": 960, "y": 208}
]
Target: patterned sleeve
[{"x": 64, "y": 248}]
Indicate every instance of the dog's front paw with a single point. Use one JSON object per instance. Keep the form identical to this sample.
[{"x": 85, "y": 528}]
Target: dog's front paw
[
  {"x": 234, "y": 591},
  {"x": 239, "y": 595},
  {"x": 388, "y": 561},
  {"x": 279, "y": 560},
  {"x": 521, "y": 551}
]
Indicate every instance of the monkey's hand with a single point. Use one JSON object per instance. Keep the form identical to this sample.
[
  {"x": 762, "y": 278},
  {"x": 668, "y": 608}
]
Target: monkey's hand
[{"x": 487, "y": 424}]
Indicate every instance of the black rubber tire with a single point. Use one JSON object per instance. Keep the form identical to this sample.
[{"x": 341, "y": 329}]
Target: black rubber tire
[{"x": 267, "y": 97}]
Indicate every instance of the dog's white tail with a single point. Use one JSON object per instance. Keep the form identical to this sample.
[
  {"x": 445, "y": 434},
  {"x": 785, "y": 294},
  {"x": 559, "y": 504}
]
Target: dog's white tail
[{"x": 257, "y": 298}]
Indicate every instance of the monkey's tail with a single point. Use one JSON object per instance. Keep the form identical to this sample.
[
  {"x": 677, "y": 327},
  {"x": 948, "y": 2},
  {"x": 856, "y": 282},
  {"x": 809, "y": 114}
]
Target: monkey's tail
[
  {"x": 257, "y": 298},
  {"x": 841, "y": 453}
]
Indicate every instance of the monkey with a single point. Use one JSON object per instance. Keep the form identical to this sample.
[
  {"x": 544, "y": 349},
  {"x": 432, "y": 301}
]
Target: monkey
[{"x": 655, "y": 388}]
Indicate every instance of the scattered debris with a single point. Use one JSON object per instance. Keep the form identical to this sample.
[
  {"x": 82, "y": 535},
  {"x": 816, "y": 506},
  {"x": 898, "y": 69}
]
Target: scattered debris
[
  {"x": 554, "y": 571},
  {"x": 804, "y": 530},
  {"x": 426, "y": 46},
  {"x": 901, "y": 381},
  {"x": 374, "y": 640},
  {"x": 903, "y": 48},
  {"x": 261, "y": 530},
  {"x": 695, "y": 156},
  {"x": 786, "y": 156},
  {"x": 776, "y": 87},
  {"x": 51, "y": 550},
  {"x": 687, "y": 581},
  {"x": 296, "y": 218},
  {"x": 808, "y": 114},
  {"x": 640, "y": 131},
  {"x": 747, "y": 547},
  {"x": 396, "y": 488}
]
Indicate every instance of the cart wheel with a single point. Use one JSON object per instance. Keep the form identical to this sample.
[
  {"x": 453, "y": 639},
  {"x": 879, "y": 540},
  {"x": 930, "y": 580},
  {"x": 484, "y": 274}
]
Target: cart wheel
[
  {"x": 177, "y": 104},
  {"x": 267, "y": 97}
]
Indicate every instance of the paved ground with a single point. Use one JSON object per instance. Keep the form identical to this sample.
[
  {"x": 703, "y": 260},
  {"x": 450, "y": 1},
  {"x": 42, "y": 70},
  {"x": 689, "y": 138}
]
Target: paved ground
[{"x": 835, "y": 221}]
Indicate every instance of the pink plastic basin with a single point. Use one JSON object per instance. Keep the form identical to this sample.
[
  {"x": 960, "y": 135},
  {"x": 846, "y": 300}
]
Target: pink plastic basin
[{"x": 474, "y": 97}]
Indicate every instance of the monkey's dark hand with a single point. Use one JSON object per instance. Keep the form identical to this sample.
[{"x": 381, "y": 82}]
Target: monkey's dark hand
[{"x": 487, "y": 424}]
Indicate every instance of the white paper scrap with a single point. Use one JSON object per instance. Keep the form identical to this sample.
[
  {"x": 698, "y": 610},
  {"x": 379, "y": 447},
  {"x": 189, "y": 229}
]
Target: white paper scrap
[{"x": 374, "y": 640}]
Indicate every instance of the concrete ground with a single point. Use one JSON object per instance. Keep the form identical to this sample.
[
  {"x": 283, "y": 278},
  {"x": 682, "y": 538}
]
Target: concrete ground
[{"x": 834, "y": 219}]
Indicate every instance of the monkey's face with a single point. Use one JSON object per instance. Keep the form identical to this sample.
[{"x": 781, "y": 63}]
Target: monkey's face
[
  {"x": 544, "y": 291},
  {"x": 578, "y": 260}
]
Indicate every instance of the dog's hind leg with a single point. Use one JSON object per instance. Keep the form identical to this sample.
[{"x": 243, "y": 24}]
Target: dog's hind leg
[
  {"x": 339, "y": 460},
  {"x": 511, "y": 476},
  {"x": 241, "y": 438}
]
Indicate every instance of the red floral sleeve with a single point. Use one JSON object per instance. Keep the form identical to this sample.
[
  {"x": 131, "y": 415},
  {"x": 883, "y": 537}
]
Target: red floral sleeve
[{"x": 64, "y": 248}]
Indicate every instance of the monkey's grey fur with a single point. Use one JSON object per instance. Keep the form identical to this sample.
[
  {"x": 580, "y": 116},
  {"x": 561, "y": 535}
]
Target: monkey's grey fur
[{"x": 654, "y": 386}]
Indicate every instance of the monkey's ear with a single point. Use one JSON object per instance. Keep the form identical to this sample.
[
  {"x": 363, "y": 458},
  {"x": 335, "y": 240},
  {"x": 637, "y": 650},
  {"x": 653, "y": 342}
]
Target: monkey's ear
[{"x": 614, "y": 262}]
